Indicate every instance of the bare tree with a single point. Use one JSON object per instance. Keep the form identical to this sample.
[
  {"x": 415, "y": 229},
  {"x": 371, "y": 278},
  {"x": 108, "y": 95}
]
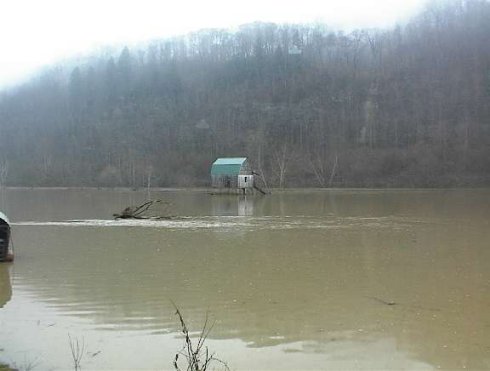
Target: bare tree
[
  {"x": 281, "y": 158},
  {"x": 322, "y": 168}
]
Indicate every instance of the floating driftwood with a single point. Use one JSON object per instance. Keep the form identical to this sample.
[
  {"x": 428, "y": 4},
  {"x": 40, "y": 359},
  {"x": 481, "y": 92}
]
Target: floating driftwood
[
  {"x": 382, "y": 301},
  {"x": 145, "y": 211}
]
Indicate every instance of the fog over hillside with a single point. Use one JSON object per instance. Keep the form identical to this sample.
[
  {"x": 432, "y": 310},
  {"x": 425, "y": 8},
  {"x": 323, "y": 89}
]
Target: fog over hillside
[{"x": 310, "y": 106}]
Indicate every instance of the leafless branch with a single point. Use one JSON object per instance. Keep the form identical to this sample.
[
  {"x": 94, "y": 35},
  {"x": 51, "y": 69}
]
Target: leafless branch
[
  {"x": 77, "y": 351},
  {"x": 143, "y": 211}
]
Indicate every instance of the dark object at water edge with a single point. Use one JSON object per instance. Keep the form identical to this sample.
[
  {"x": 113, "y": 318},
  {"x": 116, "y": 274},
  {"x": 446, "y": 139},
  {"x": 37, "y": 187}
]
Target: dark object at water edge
[{"x": 6, "y": 255}]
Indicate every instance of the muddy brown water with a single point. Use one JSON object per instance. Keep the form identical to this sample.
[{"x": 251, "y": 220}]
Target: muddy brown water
[{"x": 340, "y": 279}]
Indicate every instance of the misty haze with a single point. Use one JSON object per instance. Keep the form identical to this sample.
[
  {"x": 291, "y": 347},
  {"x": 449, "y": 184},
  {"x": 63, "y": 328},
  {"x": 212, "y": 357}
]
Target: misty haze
[{"x": 246, "y": 189}]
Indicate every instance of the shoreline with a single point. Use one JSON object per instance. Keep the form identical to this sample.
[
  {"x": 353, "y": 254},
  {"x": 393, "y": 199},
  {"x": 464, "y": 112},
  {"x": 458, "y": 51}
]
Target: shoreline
[{"x": 273, "y": 190}]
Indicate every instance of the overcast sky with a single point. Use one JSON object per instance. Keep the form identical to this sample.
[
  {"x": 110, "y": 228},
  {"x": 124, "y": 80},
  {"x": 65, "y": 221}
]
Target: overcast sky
[{"x": 34, "y": 33}]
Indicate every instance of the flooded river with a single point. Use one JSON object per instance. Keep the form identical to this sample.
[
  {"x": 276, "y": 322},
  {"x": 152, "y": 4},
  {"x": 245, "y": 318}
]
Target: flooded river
[{"x": 296, "y": 280}]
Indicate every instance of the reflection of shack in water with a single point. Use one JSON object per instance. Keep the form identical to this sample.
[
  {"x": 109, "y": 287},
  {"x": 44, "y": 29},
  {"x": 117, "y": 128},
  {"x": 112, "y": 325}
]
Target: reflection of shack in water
[
  {"x": 245, "y": 206},
  {"x": 233, "y": 206},
  {"x": 5, "y": 286}
]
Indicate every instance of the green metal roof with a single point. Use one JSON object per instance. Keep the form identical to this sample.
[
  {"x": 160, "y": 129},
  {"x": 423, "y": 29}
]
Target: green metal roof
[
  {"x": 227, "y": 166},
  {"x": 230, "y": 161}
]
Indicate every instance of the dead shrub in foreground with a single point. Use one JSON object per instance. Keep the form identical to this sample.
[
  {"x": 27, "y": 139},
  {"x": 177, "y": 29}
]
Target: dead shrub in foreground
[{"x": 197, "y": 357}]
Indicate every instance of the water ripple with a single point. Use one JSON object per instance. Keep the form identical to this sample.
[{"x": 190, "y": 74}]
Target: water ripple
[{"x": 222, "y": 222}]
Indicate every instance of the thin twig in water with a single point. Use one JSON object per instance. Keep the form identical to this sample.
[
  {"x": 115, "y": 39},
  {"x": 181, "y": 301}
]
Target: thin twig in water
[
  {"x": 382, "y": 301},
  {"x": 77, "y": 351}
]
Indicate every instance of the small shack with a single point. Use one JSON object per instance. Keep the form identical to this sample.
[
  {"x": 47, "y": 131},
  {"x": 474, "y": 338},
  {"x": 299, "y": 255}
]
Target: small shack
[
  {"x": 5, "y": 253},
  {"x": 232, "y": 173}
]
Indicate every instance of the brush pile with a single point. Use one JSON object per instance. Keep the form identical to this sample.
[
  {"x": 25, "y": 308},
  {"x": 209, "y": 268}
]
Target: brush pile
[{"x": 146, "y": 211}]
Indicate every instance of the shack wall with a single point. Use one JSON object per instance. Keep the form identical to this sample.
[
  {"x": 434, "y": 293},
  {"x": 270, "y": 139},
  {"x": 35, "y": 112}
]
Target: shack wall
[
  {"x": 245, "y": 181},
  {"x": 224, "y": 181}
]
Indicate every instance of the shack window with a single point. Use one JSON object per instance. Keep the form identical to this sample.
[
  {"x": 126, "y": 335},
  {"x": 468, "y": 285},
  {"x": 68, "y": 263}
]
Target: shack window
[{"x": 245, "y": 179}]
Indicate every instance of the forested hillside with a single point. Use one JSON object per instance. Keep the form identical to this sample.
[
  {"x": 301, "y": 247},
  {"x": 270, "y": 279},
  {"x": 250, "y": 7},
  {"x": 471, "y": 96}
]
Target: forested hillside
[{"x": 309, "y": 106}]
